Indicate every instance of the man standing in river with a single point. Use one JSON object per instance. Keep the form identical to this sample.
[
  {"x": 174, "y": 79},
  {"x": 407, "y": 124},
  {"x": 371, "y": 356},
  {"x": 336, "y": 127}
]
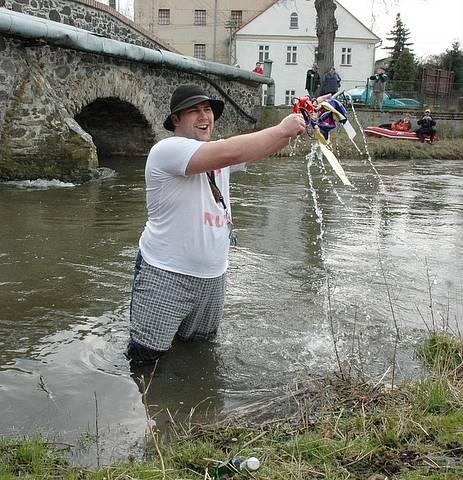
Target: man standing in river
[{"x": 180, "y": 272}]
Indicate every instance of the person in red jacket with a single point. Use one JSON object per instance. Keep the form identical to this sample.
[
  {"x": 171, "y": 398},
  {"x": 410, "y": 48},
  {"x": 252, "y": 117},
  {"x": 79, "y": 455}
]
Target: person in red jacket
[
  {"x": 258, "y": 69},
  {"x": 402, "y": 125}
]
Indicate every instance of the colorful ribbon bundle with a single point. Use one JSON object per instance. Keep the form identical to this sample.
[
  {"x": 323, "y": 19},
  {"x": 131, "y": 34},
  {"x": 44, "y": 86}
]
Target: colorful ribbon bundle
[{"x": 320, "y": 116}]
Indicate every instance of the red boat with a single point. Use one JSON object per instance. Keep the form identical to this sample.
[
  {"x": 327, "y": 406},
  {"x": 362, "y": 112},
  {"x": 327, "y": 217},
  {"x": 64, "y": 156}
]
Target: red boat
[{"x": 385, "y": 132}]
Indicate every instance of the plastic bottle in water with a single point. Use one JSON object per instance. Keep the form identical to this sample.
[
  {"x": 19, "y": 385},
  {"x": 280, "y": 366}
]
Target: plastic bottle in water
[{"x": 235, "y": 465}]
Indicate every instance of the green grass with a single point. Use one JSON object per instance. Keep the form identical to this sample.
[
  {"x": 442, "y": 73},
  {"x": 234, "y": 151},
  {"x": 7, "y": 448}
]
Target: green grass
[
  {"x": 443, "y": 354},
  {"x": 30, "y": 458},
  {"x": 384, "y": 148},
  {"x": 411, "y": 432}
]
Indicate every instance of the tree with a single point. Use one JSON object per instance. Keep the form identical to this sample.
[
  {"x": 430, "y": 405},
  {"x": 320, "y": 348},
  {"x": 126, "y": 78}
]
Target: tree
[
  {"x": 326, "y": 31},
  {"x": 399, "y": 35},
  {"x": 452, "y": 60},
  {"x": 405, "y": 73}
]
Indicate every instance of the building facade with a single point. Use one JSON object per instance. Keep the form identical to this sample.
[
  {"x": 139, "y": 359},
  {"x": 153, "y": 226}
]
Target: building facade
[
  {"x": 285, "y": 33},
  {"x": 203, "y": 29}
]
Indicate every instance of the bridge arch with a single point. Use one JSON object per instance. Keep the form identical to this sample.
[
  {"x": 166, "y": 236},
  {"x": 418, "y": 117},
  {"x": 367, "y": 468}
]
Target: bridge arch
[{"x": 117, "y": 128}]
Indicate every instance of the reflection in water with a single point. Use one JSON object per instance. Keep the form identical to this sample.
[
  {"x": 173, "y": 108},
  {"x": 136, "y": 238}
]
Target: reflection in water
[{"x": 66, "y": 266}]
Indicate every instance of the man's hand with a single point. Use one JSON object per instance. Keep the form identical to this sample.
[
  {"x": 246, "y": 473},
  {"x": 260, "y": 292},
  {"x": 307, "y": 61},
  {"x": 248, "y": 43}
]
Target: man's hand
[{"x": 293, "y": 125}]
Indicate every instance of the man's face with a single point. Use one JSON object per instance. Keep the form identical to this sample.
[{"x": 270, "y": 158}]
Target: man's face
[{"x": 196, "y": 122}]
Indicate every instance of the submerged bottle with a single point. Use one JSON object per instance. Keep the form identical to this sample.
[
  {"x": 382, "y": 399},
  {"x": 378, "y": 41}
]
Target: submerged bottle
[{"x": 236, "y": 465}]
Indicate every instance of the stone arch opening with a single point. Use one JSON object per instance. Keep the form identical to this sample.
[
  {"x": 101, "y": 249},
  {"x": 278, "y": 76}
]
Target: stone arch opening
[{"x": 117, "y": 128}]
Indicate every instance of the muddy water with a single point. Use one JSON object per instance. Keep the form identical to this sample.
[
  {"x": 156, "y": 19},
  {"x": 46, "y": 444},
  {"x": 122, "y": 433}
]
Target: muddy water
[{"x": 391, "y": 247}]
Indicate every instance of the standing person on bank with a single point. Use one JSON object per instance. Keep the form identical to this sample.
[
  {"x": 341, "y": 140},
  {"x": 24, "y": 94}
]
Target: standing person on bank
[
  {"x": 331, "y": 82},
  {"x": 379, "y": 87},
  {"x": 180, "y": 272},
  {"x": 426, "y": 127},
  {"x": 312, "y": 81}
]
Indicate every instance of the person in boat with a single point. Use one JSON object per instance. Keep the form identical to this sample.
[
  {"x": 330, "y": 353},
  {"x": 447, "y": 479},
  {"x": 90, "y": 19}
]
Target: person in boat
[
  {"x": 426, "y": 127},
  {"x": 180, "y": 271},
  {"x": 402, "y": 125}
]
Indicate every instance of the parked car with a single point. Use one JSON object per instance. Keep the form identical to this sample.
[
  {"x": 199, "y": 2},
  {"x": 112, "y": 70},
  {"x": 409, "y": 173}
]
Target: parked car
[
  {"x": 358, "y": 95},
  {"x": 410, "y": 102}
]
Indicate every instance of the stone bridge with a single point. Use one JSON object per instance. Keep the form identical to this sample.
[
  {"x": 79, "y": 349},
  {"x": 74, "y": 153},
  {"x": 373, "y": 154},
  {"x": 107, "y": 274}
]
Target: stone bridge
[{"x": 80, "y": 83}]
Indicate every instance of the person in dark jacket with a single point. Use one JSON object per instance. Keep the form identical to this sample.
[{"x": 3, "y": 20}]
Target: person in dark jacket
[
  {"x": 312, "y": 81},
  {"x": 379, "y": 86},
  {"x": 427, "y": 124},
  {"x": 331, "y": 82}
]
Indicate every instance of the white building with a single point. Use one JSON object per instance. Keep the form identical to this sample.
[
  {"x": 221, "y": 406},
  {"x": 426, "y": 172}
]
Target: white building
[
  {"x": 199, "y": 28},
  {"x": 285, "y": 33}
]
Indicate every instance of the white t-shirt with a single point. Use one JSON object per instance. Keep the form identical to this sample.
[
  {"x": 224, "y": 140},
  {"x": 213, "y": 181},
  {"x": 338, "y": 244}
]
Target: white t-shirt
[{"x": 186, "y": 231}]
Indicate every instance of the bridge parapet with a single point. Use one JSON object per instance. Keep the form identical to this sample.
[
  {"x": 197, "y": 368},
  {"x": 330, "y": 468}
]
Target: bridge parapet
[{"x": 89, "y": 15}]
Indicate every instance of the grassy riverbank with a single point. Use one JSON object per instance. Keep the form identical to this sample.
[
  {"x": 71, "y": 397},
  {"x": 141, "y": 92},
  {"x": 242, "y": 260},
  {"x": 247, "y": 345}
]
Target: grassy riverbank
[
  {"x": 343, "y": 428},
  {"x": 384, "y": 148}
]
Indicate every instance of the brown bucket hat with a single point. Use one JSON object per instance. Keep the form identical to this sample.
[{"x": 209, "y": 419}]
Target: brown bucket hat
[{"x": 185, "y": 96}]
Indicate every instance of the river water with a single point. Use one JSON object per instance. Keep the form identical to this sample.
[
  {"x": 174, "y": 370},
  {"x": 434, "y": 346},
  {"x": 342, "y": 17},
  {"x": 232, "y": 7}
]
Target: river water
[{"x": 383, "y": 256}]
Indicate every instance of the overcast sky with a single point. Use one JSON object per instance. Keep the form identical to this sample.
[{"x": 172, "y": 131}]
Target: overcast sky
[{"x": 434, "y": 24}]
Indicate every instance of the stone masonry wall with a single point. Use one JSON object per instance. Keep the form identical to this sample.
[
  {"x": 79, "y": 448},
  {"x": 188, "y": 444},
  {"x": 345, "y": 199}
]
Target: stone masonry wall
[{"x": 89, "y": 15}]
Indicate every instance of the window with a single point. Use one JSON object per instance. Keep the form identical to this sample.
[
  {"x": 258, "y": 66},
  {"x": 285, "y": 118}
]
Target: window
[
  {"x": 291, "y": 54},
  {"x": 164, "y": 16},
  {"x": 289, "y": 94},
  {"x": 264, "y": 53},
  {"x": 236, "y": 17},
  {"x": 200, "y": 17},
  {"x": 294, "y": 21},
  {"x": 200, "y": 51},
  {"x": 346, "y": 56}
]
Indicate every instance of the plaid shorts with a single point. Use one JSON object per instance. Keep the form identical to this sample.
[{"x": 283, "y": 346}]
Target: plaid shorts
[{"x": 165, "y": 304}]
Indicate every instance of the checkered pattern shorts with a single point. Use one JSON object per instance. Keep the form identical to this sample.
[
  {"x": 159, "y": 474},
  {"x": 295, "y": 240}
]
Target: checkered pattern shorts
[{"x": 165, "y": 304}]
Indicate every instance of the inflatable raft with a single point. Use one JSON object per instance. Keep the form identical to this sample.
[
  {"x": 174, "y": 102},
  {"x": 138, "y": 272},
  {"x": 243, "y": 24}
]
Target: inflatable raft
[{"x": 386, "y": 133}]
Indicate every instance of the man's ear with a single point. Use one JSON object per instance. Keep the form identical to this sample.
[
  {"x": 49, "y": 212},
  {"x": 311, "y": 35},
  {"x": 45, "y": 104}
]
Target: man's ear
[{"x": 175, "y": 119}]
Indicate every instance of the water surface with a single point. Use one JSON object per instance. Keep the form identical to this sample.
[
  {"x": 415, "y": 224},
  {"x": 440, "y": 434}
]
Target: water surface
[{"x": 391, "y": 247}]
